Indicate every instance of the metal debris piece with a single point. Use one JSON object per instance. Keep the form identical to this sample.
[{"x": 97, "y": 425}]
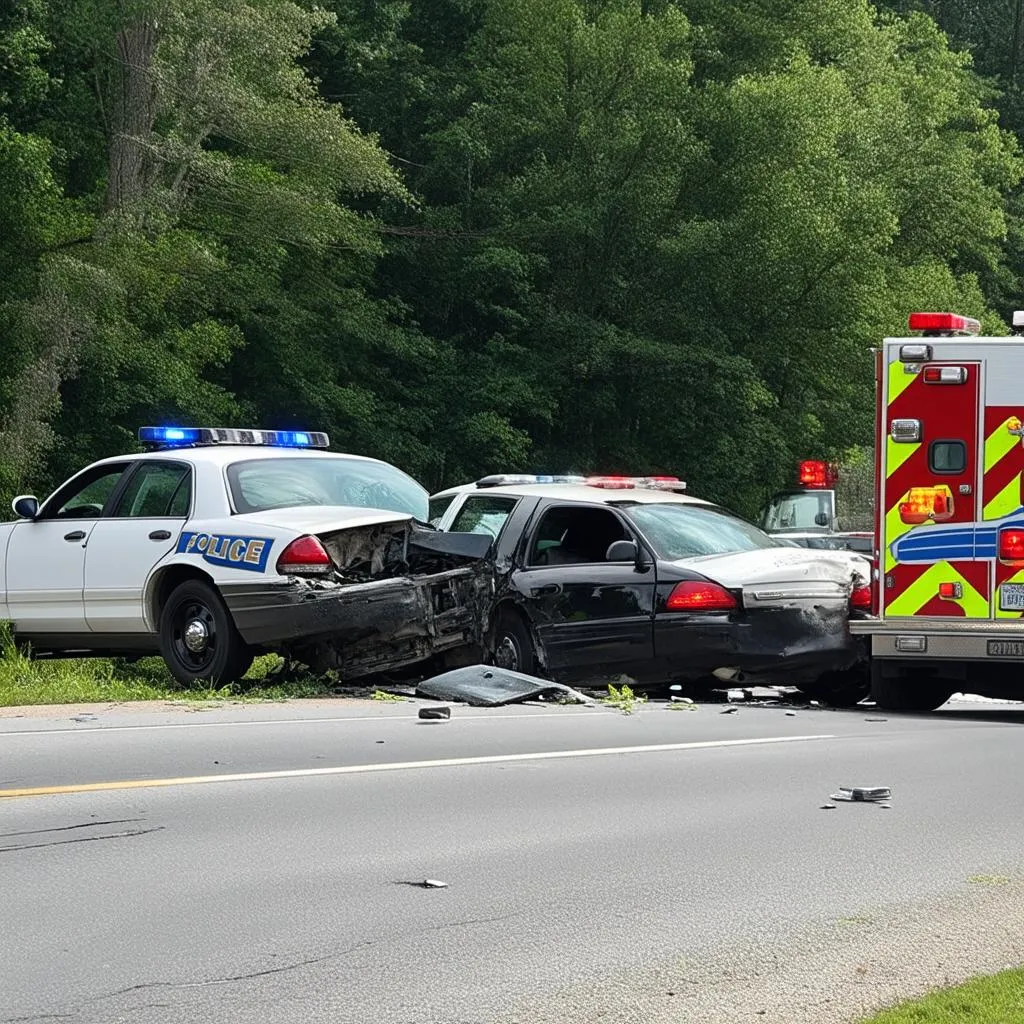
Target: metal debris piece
[
  {"x": 681, "y": 700},
  {"x": 862, "y": 794},
  {"x": 736, "y": 695},
  {"x": 876, "y": 719},
  {"x": 433, "y": 883},
  {"x": 728, "y": 711},
  {"x": 487, "y": 686},
  {"x": 885, "y": 807},
  {"x": 84, "y": 718},
  {"x": 435, "y": 713},
  {"x": 791, "y": 714},
  {"x": 828, "y": 807}
]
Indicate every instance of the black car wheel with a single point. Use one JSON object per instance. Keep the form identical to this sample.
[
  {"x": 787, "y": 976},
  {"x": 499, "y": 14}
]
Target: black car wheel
[
  {"x": 512, "y": 648},
  {"x": 198, "y": 640}
]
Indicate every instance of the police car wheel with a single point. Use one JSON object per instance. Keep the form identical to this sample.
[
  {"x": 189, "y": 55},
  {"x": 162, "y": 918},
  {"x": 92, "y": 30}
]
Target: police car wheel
[
  {"x": 512, "y": 648},
  {"x": 198, "y": 640}
]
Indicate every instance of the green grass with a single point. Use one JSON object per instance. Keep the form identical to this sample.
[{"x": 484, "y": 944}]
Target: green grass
[
  {"x": 101, "y": 680},
  {"x": 998, "y": 999},
  {"x": 622, "y": 698}
]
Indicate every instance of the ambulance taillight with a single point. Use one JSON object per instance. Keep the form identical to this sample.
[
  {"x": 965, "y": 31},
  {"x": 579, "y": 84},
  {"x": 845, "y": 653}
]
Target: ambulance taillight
[{"x": 1011, "y": 545}]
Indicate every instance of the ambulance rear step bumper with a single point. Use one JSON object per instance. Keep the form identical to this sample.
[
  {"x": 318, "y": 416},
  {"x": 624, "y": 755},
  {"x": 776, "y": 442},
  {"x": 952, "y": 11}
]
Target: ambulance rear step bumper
[{"x": 960, "y": 641}]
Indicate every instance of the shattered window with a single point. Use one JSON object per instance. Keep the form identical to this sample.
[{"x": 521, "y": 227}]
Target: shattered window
[
  {"x": 689, "y": 531},
  {"x": 438, "y": 507},
  {"x": 261, "y": 484},
  {"x": 483, "y": 515}
]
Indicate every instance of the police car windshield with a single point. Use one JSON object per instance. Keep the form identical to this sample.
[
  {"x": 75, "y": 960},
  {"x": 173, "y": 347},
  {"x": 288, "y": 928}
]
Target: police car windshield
[
  {"x": 688, "y": 531},
  {"x": 261, "y": 484}
]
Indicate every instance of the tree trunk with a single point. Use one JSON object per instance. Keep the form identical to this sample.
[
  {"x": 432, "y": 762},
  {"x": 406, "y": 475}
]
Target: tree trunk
[{"x": 133, "y": 111}]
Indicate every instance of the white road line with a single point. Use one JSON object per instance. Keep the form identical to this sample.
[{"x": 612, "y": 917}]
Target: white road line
[
  {"x": 92, "y": 729},
  {"x": 360, "y": 769}
]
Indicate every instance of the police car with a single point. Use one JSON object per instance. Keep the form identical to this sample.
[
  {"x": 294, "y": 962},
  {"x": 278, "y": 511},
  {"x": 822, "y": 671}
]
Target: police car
[
  {"x": 597, "y": 576},
  {"x": 216, "y": 544}
]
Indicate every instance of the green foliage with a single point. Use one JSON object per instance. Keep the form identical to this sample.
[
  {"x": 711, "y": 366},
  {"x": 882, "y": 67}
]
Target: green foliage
[
  {"x": 622, "y": 698},
  {"x": 469, "y": 236}
]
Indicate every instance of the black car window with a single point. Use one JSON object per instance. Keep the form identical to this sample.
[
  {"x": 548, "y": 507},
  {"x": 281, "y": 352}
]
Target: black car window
[
  {"x": 689, "y": 531},
  {"x": 485, "y": 513},
  {"x": 575, "y": 535}
]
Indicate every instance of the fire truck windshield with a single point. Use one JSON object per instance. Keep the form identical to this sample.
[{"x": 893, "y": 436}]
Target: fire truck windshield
[{"x": 799, "y": 511}]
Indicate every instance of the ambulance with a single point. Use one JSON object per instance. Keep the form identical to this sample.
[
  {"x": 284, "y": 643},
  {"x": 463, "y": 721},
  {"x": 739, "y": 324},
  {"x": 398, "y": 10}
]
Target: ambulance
[{"x": 949, "y": 598}]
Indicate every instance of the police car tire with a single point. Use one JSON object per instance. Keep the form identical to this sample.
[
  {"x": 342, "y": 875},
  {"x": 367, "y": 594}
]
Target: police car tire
[
  {"x": 511, "y": 627},
  {"x": 231, "y": 656},
  {"x": 908, "y": 690}
]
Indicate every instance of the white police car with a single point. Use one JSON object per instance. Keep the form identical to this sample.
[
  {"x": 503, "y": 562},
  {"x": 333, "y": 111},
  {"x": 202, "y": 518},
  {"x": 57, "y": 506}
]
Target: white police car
[{"x": 217, "y": 544}]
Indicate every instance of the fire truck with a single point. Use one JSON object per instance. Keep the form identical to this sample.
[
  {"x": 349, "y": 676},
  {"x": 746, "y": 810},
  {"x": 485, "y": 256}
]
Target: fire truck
[
  {"x": 948, "y": 611},
  {"x": 808, "y": 515}
]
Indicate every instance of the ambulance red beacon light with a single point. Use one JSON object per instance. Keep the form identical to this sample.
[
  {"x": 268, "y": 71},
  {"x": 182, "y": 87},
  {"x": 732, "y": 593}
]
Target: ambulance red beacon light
[{"x": 949, "y": 514}]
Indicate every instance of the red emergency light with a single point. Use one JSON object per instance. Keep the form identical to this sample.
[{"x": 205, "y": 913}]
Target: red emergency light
[
  {"x": 1011, "y": 545},
  {"x": 815, "y": 473},
  {"x": 944, "y": 323}
]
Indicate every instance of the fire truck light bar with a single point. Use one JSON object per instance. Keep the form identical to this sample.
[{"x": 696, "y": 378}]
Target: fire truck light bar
[{"x": 943, "y": 323}]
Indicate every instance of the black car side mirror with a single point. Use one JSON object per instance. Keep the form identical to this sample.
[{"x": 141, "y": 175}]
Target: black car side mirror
[
  {"x": 821, "y": 519},
  {"x": 622, "y": 551},
  {"x": 26, "y": 506}
]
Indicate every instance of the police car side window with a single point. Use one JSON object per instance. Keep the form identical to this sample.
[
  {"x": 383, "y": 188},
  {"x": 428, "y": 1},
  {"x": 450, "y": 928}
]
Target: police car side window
[
  {"x": 483, "y": 514},
  {"x": 156, "y": 491},
  {"x": 87, "y": 497}
]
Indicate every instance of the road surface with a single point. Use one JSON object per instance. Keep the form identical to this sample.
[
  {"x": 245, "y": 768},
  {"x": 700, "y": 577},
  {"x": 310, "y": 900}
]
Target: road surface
[{"x": 252, "y": 863}]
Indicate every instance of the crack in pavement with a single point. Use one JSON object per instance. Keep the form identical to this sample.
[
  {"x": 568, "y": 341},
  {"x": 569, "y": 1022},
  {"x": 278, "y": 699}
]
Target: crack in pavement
[
  {"x": 83, "y": 839},
  {"x": 266, "y": 972},
  {"x": 71, "y": 828}
]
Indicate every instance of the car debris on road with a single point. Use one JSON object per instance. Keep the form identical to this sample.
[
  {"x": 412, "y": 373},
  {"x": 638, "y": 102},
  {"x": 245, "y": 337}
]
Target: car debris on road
[
  {"x": 862, "y": 794},
  {"x": 487, "y": 686}
]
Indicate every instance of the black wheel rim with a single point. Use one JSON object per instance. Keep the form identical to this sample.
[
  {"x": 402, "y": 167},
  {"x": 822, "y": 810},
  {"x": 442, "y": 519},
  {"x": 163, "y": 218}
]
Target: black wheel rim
[
  {"x": 194, "y": 636},
  {"x": 506, "y": 653}
]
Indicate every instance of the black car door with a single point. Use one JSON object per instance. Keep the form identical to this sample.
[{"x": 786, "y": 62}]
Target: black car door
[{"x": 593, "y": 618}]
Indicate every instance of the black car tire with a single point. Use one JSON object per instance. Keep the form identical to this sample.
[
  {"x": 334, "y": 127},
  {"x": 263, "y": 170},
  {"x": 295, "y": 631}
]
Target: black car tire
[
  {"x": 512, "y": 646},
  {"x": 844, "y": 689},
  {"x": 224, "y": 657},
  {"x": 910, "y": 689}
]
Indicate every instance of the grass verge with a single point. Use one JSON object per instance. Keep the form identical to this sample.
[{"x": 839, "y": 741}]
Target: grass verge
[
  {"x": 101, "y": 680},
  {"x": 997, "y": 999}
]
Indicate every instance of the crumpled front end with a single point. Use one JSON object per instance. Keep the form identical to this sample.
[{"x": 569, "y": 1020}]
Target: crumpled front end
[{"x": 399, "y": 594}]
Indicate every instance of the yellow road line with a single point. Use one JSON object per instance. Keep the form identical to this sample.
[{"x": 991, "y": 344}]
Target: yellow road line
[{"x": 357, "y": 769}]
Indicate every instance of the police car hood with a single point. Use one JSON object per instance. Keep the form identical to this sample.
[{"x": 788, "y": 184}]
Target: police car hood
[
  {"x": 837, "y": 571},
  {"x": 324, "y": 518}
]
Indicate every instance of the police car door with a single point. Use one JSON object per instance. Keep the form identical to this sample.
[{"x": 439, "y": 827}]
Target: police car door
[
  {"x": 143, "y": 528},
  {"x": 593, "y": 617},
  {"x": 46, "y": 557}
]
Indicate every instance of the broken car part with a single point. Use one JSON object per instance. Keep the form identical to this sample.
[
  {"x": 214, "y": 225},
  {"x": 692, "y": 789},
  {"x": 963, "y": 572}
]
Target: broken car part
[
  {"x": 435, "y": 713},
  {"x": 487, "y": 686},
  {"x": 862, "y": 794}
]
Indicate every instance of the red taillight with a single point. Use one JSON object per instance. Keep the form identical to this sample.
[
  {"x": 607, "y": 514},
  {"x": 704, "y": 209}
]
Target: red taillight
[
  {"x": 947, "y": 323},
  {"x": 1011, "y": 545},
  {"x": 945, "y": 374},
  {"x": 862, "y": 598},
  {"x": 697, "y": 596},
  {"x": 304, "y": 556}
]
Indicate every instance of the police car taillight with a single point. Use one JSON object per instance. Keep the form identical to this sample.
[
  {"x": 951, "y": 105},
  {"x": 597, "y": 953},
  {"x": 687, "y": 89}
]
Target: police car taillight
[
  {"x": 699, "y": 596},
  {"x": 943, "y": 323},
  {"x": 863, "y": 598},
  {"x": 304, "y": 557}
]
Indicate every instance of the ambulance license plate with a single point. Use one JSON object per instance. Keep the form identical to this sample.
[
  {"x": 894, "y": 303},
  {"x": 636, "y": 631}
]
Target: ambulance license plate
[
  {"x": 1011, "y": 597},
  {"x": 1006, "y": 648}
]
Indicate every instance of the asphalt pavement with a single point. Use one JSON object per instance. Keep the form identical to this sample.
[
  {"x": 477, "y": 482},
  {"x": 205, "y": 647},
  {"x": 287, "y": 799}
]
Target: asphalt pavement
[{"x": 256, "y": 863}]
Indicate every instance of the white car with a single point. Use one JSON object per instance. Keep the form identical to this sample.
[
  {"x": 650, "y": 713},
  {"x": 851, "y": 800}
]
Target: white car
[{"x": 218, "y": 544}]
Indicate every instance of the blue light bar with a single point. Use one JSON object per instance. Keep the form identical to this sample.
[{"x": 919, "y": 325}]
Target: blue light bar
[{"x": 170, "y": 437}]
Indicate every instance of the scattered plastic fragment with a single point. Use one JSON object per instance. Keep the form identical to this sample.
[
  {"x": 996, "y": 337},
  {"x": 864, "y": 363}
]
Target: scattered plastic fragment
[
  {"x": 728, "y": 711},
  {"x": 675, "y": 686},
  {"x": 487, "y": 686},
  {"x": 791, "y": 714},
  {"x": 862, "y": 794},
  {"x": 681, "y": 700},
  {"x": 828, "y": 807},
  {"x": 84, "y": 718},
  {"x": 876, "y": 719},
  {"x": 435, "y": 713},
  {"x": 433, "y": 883}
]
